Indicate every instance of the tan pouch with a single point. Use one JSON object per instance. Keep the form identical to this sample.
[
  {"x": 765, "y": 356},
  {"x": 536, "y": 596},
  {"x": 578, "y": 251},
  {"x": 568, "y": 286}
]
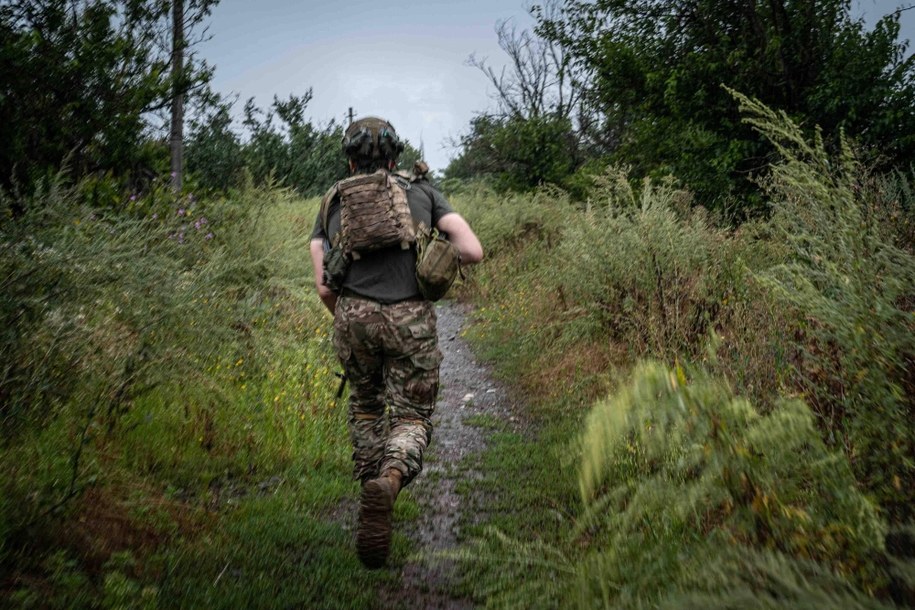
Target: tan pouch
[{"x": 438, "y": 264}]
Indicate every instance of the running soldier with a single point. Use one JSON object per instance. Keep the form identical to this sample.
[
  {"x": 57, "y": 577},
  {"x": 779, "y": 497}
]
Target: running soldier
[{"x": 363, "y": 249}]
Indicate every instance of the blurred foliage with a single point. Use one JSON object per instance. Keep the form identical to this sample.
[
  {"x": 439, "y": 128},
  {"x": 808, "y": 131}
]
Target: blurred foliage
[
  {"x": 692, "y": 498},
  {"x": 797, "y": 496}
]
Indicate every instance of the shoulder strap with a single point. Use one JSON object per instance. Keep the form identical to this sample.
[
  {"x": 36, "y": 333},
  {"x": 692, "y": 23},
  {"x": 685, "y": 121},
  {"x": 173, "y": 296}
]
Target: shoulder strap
[
  {"x": 325, "y": 207},
  {"x": 406, "y": 183}
]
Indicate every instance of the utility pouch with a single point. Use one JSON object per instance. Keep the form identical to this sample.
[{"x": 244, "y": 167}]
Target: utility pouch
[
  {"x": 336, "y": 266},
  {"x": 438, "y": 264}
]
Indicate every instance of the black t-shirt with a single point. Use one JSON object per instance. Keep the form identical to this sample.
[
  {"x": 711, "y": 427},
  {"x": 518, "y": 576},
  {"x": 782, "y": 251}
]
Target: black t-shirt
[{"x": 388, "y": 275}]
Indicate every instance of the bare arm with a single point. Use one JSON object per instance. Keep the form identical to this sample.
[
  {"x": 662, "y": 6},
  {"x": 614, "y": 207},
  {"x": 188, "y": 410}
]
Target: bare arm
[
  {"x": 317, "y": 260},
  {"x": 462, "y": 236}
]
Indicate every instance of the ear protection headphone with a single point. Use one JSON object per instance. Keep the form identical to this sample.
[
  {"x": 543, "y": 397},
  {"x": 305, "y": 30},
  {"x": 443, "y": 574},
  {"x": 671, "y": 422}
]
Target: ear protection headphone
[{"x": 372, "y": 138}]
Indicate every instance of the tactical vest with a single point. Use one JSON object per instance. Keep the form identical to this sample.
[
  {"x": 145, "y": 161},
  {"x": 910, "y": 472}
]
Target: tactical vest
[{"x": 374, "y": 214}]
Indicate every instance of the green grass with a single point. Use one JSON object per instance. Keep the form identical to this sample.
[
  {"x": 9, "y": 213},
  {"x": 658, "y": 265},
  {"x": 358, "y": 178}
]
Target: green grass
[
  {"x": 278, "y": 551},
  {"x": 523, "y": 485},
  {"x": 485, "y": 421},
  {"x": 228, "y": 482}
]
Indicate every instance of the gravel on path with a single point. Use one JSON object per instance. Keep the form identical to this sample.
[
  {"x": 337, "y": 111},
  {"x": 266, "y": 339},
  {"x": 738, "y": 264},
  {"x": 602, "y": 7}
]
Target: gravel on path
[{"x": 467, "y": 389}]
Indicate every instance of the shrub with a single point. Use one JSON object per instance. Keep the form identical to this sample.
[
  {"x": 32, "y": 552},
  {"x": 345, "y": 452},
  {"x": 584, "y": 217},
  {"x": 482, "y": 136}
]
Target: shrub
[
  {"x": 851, "y": 288},
  {"x": 692, "y": 498},
  {"x": 642, "y": 270}
]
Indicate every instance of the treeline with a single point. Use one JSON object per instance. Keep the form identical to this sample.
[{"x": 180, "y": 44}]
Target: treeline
[
  {"x": 642, "y": 83},
  {"x": 282, "y": 145},
  {"x": 88, "y": 88}
]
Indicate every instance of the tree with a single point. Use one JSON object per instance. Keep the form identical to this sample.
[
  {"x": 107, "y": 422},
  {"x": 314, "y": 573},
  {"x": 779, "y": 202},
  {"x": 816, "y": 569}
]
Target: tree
[
  {"x": 80, "y": 81},
  {"x": 184, "y": 19},
  {"x": 214, "y": 153},
  {"x": 517, "y": 153},
  {"x": 541, "y": 82},
  {"x": 656, "y": 70},
  {"x": 540, "y": 126},
  {"x": 290, "y": 149},
  {"x": 282, "y": 145},
  {"x": 176, "y": 136}
]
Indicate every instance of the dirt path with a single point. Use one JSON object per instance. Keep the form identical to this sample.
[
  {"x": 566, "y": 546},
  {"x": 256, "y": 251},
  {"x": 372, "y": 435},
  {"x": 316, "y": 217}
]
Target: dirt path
[{"x": 467, "y": 390}]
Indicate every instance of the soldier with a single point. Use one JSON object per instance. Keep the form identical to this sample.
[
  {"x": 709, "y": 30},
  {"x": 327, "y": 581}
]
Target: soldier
[{"x": 384, "y": 330}]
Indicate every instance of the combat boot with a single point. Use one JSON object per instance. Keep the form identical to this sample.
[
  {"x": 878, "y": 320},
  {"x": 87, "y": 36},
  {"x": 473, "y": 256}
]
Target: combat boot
[{"x": 376, "y": 508}]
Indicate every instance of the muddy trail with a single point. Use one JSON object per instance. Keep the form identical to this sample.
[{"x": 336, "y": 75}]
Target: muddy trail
[{"x": 467, "y": 390}]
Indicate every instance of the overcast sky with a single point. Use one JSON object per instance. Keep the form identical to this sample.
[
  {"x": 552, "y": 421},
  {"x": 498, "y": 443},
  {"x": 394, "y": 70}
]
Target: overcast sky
[{"x": 404, "y": 60}]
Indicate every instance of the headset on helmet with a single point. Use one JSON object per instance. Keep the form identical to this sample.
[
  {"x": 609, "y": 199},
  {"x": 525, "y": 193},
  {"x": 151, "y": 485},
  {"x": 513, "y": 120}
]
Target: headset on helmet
[{"x": 372, "y": 138}]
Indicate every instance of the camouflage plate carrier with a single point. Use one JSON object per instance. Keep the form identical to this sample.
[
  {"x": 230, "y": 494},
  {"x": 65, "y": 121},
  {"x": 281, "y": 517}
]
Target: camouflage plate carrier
[{"x": 374, "y": 214}]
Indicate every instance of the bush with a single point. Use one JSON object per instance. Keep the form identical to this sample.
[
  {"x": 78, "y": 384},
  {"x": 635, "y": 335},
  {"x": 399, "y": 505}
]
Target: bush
[
  {"x": 167, "y": 341},
  {"x": 641, "y": 270},
  {"x": 692, "y": 498},
  {"x": 851, "y": 288}
]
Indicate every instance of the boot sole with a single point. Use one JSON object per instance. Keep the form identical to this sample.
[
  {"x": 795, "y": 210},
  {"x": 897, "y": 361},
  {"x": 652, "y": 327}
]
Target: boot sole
[{"x": 373, "y": 537}]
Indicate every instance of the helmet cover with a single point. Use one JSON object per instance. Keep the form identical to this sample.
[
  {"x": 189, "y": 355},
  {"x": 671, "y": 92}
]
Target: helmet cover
[{"x": 371, "y": 138}]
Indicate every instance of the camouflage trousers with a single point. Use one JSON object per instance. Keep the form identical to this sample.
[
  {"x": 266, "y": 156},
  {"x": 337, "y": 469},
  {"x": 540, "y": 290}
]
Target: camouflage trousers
[{"x": 391, "y": 358}]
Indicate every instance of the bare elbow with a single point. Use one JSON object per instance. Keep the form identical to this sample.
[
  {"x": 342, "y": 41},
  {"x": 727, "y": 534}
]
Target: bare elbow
[
  {"x": 463, "y": 238},
  {"x": 472, "y": 255}
]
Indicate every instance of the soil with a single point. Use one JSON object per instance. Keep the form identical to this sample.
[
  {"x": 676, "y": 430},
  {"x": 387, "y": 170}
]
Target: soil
[{"x": 467, "y": 389}]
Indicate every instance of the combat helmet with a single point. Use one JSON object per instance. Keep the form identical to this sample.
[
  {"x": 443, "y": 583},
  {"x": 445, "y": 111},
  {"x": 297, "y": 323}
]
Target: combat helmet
[{"x": 371, "y": 139}]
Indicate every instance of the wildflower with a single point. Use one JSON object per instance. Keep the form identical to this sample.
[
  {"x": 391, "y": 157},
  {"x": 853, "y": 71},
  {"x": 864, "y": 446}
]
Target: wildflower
[
  {"x": 180, "y": 211},
  {"x": 209, "y": 236},
  {"x": 155, "y": 216},
  {"x": 133, "y": 197}
]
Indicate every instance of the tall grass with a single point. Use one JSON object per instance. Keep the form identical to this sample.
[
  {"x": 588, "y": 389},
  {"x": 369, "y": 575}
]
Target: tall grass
[
  {"x": 853, "y": 287},
  {"x": 776, "y": 471},
  {"x": 165, "y": 365}
]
